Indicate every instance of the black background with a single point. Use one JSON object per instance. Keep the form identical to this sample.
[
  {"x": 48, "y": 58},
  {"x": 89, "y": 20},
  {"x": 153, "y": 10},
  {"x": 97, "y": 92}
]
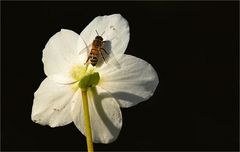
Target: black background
[{"x": 192, "y": 45}]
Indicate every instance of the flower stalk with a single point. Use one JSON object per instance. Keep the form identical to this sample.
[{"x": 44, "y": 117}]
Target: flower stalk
[
  {"x": 87, "y": 121},
  {"x": 88, "y": 80}
]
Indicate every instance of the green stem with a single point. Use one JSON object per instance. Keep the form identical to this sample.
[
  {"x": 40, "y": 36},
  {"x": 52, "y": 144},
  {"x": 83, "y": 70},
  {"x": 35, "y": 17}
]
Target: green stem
[{"x": 87, "y": 121}]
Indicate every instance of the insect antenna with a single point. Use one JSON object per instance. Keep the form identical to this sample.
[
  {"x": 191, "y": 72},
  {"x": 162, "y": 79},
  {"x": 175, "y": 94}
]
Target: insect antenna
[
  {"x": 97, "y": 32},
  {"x": 102, "y": 33}
]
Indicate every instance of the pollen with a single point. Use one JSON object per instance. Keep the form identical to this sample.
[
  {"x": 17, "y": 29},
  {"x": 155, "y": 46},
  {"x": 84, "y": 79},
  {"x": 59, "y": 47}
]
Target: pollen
[{"x": 78, "y": 71}]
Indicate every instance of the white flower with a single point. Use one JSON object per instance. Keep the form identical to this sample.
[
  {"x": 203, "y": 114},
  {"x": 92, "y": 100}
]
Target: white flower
[{"x": 58, "y": 102}]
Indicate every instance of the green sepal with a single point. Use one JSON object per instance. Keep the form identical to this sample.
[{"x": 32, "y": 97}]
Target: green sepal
[{"x": 90, "y": 80}]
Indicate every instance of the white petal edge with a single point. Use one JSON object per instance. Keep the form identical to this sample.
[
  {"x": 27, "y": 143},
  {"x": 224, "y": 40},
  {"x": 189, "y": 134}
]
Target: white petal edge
[
  {"x": 51, "y": 104},
  {"x": 60, "y": 52},
  {"x": 105, "y": 115},
  {"x": 113, "y": 28},
  {"x": 135, "y": 82}
]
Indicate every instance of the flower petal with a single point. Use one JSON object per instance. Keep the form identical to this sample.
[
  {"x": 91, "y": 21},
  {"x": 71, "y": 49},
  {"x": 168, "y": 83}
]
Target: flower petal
[
  {"x": 135, "y": 82},
  {"x": 105, "y": 115},
  {"x": 113, "y": 28},
  {"x": 51, "y": 104},
  {"x": 60, "y": 52},
  {"x": 62, "y": 79}
]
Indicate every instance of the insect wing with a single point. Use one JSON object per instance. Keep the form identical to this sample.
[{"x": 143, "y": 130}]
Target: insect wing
[
  {"x": 113, "y": 61},
  {"x": 108, "y": 56},
  {"x": 85, "y": 50}
]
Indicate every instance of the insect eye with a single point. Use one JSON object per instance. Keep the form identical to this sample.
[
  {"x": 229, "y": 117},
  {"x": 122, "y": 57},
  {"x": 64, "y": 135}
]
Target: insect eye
[{"x": 99, "y": 37}]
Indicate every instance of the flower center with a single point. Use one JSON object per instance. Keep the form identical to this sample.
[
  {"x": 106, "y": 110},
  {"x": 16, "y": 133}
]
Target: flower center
[
  {"x": 90, "y": 80},
  {"x": 85, "y": 76}
]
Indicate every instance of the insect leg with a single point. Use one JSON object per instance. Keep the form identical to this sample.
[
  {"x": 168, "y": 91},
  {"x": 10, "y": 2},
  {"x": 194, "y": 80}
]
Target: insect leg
[
  {"x": 102, "y": 56},
  {"x": 88, "y": 58},
  {"x": 105, "y": 51}
]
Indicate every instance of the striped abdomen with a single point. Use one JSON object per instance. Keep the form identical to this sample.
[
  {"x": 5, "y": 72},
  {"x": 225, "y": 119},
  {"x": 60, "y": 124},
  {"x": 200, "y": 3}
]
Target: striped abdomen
[{"x": 93, "y": 57}]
